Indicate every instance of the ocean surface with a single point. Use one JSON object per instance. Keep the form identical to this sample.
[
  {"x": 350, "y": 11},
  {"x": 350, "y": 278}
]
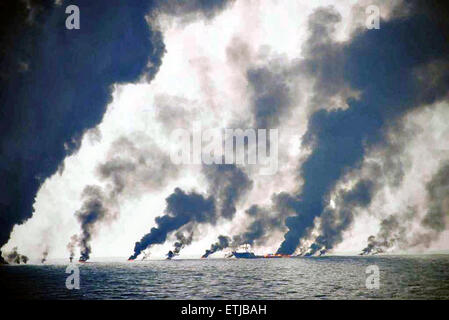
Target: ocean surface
[{"x": 332, "y": 277}]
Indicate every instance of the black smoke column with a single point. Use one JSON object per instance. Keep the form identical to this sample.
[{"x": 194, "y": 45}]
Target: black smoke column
[
  {"x": 181, "y": 209},
  {"x": 223, "y": 242},
  {"x": 55, "y": 84},
  {"x": 383, "y": 66}
]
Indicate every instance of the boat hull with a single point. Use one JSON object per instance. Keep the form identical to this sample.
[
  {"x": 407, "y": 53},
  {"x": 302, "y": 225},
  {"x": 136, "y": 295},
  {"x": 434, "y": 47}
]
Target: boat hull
[
  {"x": 251, "y": 255},
  {"x": 245, "y": 255}
]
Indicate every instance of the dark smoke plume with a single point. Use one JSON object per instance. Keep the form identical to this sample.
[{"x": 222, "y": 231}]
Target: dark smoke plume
[
  {"x": 39, "y": 127},
  {"x": 377, "y": 246},
  {"x": 92, "y": 212},
  {"x": 170, "y": 255},
  {"x": 181, "y": 242},
  {"x": 271, "y": 97},
  {"x": 71, "y": 246},
  {"x": 133, "y": 167},
  {"x": 395, "y": 229},
  {"x": 264, "y": 222},
  {"x": 437, "y": 215},
  {"x": 182, "y": 208},
  {"x": 223, "y": 243},
  {"x": 146, "y": 255},
  {"x": 45, "y": 255},
  {"x": 348, "y": 202},
  {"x": 384, "y": 69},
  {"x": 334, "y": 221},
  {"x": 392, "y": 232},
  {"x": 228, "y": 184},
  {"x": 15, "y": 257}
]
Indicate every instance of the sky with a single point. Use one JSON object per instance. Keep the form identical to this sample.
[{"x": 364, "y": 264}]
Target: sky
[{"x": 361, "y": 114}]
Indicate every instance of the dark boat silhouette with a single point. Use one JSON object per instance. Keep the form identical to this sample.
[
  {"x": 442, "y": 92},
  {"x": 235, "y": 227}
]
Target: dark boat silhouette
[{"x": 247, "y": 254}]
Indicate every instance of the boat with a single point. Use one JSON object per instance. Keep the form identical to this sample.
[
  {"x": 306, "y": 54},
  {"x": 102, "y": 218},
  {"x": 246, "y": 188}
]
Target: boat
[{"x": 246, "y": 254}]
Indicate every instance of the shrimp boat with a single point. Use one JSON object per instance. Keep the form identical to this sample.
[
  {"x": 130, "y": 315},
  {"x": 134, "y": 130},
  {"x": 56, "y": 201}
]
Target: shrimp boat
[{"x": 245, "y": 253}]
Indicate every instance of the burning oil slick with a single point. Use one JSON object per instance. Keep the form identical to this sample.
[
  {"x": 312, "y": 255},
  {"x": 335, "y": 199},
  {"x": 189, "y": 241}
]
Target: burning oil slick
[
  {"x": 376, "y": 247},
  {"x": 36, "y": 138},
  {"x": 337, "y": 219},
  {"x": 146, "y": 255},
  {"x": 170, "y": 255},
  {"x": 339, "y": 139},
  {"x": 227, "y": 185},
  {"x": 222, "y": 243},
  {"x": 394, "y": 230},
  {"x": 45, "y": 255},
  {"x": 15, "y": 257},
  {"x": 181, "y": 242},
  {"x": 264, "y": 221},
  {"x": 92, "y": 212},
  {"x": 71, "y": 246},
  {"x": 181, "y": 208},
  {"x": 133, "y": 166}
]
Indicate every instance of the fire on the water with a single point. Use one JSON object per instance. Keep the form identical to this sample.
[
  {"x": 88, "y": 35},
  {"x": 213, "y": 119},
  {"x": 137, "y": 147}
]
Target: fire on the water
[{"x": 243, "y": 252}]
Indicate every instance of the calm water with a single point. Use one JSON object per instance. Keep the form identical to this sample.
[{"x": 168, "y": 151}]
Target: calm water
[{"x": 411, "y": 277}]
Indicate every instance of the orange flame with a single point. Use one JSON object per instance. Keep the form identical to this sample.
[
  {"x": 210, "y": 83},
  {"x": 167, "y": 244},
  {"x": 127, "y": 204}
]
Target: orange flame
[{"x": 277, "y": 255}]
